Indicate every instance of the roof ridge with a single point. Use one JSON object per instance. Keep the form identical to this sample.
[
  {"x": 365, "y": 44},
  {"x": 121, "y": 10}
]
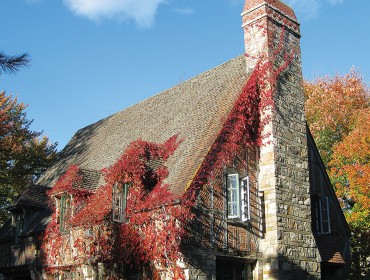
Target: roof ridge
[
  {"x": 194, "y": 109},
  {"x": 161, "y": 92}
]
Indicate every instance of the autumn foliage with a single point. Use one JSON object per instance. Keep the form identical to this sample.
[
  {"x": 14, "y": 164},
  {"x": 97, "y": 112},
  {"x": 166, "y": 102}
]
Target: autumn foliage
[
  {"x": 24, "y": 154},
  {"x": 250, "y": 113},
  {"x": 156, "y": 219},
  {"x": 338, "y": 114},
  {"x": 332, "y": 106}
]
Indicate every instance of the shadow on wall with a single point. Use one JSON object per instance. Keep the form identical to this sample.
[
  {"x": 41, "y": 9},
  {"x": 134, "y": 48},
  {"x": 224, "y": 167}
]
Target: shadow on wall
[
  {"x": 284, "y": 268},
  {"x": 290, "y": 270}
]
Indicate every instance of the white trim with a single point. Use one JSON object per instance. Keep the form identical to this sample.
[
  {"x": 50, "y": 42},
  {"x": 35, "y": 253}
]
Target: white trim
[
  {"x": 237, "y": 198},
  {"x": 118, "y": 211},
  {"x": 246, "y": 208}
]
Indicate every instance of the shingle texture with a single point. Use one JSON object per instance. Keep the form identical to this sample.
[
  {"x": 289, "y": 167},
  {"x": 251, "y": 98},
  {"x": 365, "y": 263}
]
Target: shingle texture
[
  {"x": 91, "y": 179},
  {"x": 329, "y": 251},
  {"x": 195, "y": 110},
  {"x": 33, "y": 196}
]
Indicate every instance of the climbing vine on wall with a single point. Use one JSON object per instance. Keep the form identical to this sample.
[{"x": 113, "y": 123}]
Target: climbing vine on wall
[
  {"x": 156, "y": 219},
  {"x": 52, "y": 241},
  {"x": 152, "y": 234},
  {"x": 249, "y": 115}
]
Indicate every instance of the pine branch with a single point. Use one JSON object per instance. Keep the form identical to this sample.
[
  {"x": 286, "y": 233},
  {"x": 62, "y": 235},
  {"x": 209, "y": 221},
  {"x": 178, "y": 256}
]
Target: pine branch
[{"x": 12, "y": 64}]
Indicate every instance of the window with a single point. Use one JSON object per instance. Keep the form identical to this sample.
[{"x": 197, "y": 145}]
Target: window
[
  {"x": 65, "y": 212},
  {"x": 18, "y": 229},
  {"x": 233, "y": 270},
  {"x": 322, "y": 216},
  {"x": 119, "y": 202},
  {"x": 238, "y": 197}
]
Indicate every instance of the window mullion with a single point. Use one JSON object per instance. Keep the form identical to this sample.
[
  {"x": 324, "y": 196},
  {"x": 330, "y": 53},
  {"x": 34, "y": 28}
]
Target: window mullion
[{"x": 119, "y": 198}]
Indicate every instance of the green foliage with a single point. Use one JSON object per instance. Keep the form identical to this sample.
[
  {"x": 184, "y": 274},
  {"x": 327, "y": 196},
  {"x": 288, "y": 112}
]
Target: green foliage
[
  {"x": 24, "y": 154},
  {"x": 360, "y": 246}
]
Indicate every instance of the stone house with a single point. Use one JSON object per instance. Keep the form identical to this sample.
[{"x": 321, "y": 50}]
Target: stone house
[{"x": 268, "y": 212}]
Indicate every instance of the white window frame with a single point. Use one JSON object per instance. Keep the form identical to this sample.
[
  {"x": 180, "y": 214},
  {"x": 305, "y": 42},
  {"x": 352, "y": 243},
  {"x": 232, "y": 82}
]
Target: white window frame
[
  {"x": 119, "y": 202},
  {"x": 241, "y": 195},
  {"x": 230, "y": 190},
  {"x": 246, "y": 200}
]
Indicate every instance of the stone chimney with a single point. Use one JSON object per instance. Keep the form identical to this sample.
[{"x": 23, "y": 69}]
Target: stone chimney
[
  {"x": 288, "y": 245},
  {"x": 262, "y": 21}
]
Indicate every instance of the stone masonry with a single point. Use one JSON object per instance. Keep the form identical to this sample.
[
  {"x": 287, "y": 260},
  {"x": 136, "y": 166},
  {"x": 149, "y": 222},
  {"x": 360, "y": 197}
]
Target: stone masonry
[{"x": 289, "y": 246}]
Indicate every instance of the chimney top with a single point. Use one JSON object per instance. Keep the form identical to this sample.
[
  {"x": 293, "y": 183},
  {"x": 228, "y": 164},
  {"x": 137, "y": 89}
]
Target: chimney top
[{"x": 282, "y": 7}]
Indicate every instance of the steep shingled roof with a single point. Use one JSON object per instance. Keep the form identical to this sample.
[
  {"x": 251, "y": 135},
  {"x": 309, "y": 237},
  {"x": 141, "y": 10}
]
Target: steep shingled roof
[
  {"x": 194, "y": 109},
  {"x": 91, "y": 179},
  {"x": 329, "y": 251},
  {"x": 34, "y": 196}
]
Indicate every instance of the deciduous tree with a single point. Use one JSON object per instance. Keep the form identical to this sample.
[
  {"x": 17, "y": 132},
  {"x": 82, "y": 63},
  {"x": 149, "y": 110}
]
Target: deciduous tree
[
  {"x": 331, "y": 108},
  {"x": 338, "y": 113},
  {"x": 350, "y": 170},
  {"x": 24, "y": 154}
]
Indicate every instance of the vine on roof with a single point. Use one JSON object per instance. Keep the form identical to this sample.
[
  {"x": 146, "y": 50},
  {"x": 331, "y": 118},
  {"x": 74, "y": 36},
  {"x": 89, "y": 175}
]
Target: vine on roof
[
  {"x": 151, "y": 237},
  {"x": 244, "y": 126},
  {"x": 157, "y": 218}
]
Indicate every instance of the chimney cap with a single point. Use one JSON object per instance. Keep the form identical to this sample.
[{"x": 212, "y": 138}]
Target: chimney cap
[{"x": 250, "y": 4}]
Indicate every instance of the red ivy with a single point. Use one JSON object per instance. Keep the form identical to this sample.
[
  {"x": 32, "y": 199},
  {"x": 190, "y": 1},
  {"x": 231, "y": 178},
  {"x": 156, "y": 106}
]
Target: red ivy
[
  {"x": 156, "y": 217},
  {"x": 243, "y": 126}
]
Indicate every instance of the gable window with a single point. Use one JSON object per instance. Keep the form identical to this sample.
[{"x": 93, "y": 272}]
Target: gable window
[
  {"x": 238, "y": 197},
  {"x": 65, "y": 212},
  {"x": 18, "y": 226},
  {"x": 322, "y": 216},
  {"x": 120, "y": 193}
]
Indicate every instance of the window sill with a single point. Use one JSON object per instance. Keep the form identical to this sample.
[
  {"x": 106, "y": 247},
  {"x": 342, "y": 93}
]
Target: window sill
[{"x": 239, "y": 223}]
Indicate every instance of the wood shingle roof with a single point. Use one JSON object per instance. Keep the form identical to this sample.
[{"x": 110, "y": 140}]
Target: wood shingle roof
[
  {"x": 194, "y": 109},
  {"x": 34, "y": 196}
]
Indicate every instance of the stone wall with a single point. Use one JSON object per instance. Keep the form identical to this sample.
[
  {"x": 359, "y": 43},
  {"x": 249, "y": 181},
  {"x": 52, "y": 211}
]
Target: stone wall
[
  {"x": 213, "y": 235},
  {"x": 289, "y": 247},
  {"x": 296, "y": 245}
]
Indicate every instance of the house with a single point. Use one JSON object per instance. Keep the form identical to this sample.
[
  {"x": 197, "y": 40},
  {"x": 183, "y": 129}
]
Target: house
[
  {"x": 215, "y": 178},
  {"x": 19, "y": 242}
]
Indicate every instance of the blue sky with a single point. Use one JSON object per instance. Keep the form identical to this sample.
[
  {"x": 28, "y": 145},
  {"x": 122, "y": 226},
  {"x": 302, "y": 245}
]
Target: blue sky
[{"x": 92, "y": 58}]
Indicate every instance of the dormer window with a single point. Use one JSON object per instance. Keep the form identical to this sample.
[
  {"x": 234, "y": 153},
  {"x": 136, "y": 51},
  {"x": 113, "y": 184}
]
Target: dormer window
[
  {"x": 65, "y": 212},
  {"x": 18, "y": 226},
  {"x": 120, "y": 193},
  {"x": 238, "y": 197}
]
